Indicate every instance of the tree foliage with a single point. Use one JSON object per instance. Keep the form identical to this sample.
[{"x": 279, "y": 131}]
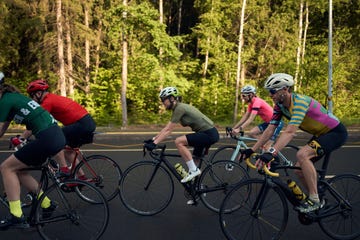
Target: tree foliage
[{"x": 201, "y": 59}]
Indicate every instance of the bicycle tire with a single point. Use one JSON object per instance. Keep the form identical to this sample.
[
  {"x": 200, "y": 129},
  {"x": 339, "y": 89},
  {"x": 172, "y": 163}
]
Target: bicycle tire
[
  {"x": 343, "y": 222},
  {"x": 243, "y": 222},
  {"x": 223, "y": 174},
  {"x": 73, "y": 216},
  {"x": 155, "y": 198},
  {"x": 221, "y": 153},
  {"x": 103, "y": 172}
]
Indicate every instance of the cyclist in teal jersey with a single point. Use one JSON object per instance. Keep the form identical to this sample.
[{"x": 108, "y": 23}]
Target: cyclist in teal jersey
[
  {"x": 256, "y": 106},
  {"x": 49, "y": 140},
  {"x": 205, "y": 134},
  {"x": 309, "y": 115}
]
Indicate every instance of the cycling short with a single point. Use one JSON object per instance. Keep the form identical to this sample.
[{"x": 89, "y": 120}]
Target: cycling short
[
  {"x": 330, "y": 141},
  {"x": 80, "y": 132},
  {"x": 47, "y": 143},
  {"x": 264, "y": 125},
  {"x": 202, "y": 140}
]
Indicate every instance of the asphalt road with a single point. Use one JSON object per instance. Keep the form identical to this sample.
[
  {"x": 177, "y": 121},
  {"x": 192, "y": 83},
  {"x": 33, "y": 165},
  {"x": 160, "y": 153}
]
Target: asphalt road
[{"x": 180, "y": 221}]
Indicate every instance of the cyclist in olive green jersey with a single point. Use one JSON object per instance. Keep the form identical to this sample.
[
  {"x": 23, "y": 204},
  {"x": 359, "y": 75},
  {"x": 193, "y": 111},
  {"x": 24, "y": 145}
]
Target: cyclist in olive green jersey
[
  {"x": 49, "y": 140},
  {"x": 205, "y": 134}
]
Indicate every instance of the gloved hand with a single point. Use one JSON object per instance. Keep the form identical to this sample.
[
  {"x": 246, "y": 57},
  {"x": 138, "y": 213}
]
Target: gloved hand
[
  {"x": 148, "y": 141},
  {"x": 247, "y": 153},
  {"x": 264, "y": 158},
  {"x": 15, "y": 141},
  {"x": 150, "y": 145}
]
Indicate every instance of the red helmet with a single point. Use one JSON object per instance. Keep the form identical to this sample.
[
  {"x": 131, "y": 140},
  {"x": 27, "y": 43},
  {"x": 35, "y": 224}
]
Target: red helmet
[{"x": 37, "y": 85}]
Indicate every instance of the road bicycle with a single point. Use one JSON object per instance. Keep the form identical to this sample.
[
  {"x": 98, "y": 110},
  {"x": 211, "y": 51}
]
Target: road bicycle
[
  {"x": 99, "y": 170},
  {"x": 260, "y": 210},
  {"x": 147, "y": 187},
  {"x": 74, "y": 213},
  {"x": 233, "y": 152}
]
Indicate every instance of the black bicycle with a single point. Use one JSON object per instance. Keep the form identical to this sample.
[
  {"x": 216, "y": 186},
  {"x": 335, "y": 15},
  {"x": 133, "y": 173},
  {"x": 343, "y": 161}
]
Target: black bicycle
[
  {"x": 146, "y": 187},
  {"x": 75, "y": 211},
  {"x": 260, "y": 210}
]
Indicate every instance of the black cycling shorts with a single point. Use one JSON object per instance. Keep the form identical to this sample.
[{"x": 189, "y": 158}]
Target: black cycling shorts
[
  {"x": 331, "y": 140},
  {"x": 202, "y": 140},
  {"x": 80, "y": 132},
  {"x": 47, "y": 143}
]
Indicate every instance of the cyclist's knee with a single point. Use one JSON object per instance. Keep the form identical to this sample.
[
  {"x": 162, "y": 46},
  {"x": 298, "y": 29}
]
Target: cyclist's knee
[
  {"x": 180, "y": 141},
  {"x": 305, "y": 153}
]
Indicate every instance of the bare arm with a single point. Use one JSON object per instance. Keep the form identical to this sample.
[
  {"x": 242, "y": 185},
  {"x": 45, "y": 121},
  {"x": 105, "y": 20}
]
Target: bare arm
[
  {"x": 269, "y": 131},
  {"x": 236, "y": 128},
  {"x": 286, "y": 136},
  {"x": 26, "y": 134},
  {"x": 3, "y": 127},
  {"x": 166, "y": 131},
  {"x": 249, "y": 120}
]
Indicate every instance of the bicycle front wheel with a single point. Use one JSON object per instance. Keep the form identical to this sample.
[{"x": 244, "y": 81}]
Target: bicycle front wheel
[
  {"x": 224, "y": 152},
  {"x": 216, "y": 181},
  {"x": 103, "y": 172},
  {"x": 343, "y": 211},
  {"x": 73, "y": 216},
  {"x": 258, "y": 211},
  {"x": 146, "y": 188}
]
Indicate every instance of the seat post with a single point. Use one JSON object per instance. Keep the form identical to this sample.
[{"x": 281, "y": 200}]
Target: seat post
[{"x": 323, "y": 170}]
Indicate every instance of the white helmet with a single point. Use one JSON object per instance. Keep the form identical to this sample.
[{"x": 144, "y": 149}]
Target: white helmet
[
  {"x": 248, "y": 89},
  {"x": 279, "y": 80},
  {"x": 169, "y": 91}
]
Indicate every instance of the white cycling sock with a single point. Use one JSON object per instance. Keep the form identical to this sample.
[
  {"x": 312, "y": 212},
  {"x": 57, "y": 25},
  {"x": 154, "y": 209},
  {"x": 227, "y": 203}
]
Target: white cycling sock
[{"x": 191, "y": 165}]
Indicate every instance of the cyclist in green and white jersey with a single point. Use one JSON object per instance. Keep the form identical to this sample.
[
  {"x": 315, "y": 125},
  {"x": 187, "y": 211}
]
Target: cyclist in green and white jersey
[{"x": 49, "y": 140}]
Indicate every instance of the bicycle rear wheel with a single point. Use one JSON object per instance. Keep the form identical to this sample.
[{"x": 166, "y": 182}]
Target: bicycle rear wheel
[
  {"x": 216, "y": 181},
  {"x": 146, "y": 188},
  {"x": 73, "y": 216},
  {"x": 103, "y": 172},
  {"x": 343, "y": 221},
  {"x": 258, "y": 211}
]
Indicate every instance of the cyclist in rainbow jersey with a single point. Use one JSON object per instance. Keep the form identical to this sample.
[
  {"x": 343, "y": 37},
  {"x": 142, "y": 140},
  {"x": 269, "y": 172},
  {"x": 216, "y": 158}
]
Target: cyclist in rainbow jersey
[{"x": 309, "y": 115}]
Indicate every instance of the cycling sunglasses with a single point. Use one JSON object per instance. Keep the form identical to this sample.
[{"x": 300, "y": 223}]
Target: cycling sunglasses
[{"x": 272, "y": 91}]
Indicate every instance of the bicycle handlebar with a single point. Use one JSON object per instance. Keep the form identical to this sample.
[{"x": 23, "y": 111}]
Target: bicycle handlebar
[{"x": 265, "y": 168}]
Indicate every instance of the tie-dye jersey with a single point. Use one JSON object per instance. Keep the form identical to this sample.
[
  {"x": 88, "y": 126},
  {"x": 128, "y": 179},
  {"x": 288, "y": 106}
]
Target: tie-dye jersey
[{"x": 306, "y": 113}]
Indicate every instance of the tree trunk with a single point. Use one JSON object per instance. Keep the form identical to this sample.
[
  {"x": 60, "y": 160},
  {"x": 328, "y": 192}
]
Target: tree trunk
[
  {"x": 298, "y": 51},
  {"x": 179, "y": 20},
  {"x": 62, "y": 79},
  {"x": 161, "y": 20},
  {"x": 69, "y": 54},
  {"x": 87, "y": 50},
  {"x": 124, "y": 73},
  {"x": 304, "y": 41},
  {"x": 238, "y": 70}
]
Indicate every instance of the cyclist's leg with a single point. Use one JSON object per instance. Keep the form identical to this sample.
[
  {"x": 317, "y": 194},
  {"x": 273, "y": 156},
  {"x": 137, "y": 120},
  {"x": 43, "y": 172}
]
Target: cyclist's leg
[
  {"x": 313, "y": 151},
  {"x": 9, "y": 169}
]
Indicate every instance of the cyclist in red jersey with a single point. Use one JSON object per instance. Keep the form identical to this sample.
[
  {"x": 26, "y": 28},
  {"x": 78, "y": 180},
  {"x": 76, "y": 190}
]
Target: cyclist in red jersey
[
  {"x": 256, "y": 106},
  {"x": 78, "y": 127}
]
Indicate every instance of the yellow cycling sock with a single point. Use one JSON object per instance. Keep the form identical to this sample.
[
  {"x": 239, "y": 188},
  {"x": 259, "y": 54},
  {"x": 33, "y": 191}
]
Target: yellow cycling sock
[
  {"x": 15, "y": 208},
  {"x": 46, "y": 202}
]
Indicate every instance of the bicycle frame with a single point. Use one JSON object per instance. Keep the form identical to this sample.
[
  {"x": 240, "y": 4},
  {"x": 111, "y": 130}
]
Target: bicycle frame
[
  {"x": 269, "y": 180},
  {"x": 162, "y": 159}
]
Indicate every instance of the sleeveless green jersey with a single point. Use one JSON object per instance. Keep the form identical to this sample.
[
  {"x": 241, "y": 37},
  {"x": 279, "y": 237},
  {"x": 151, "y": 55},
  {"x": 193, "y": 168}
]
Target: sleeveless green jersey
[
  {"x": 189, "y": 116},
  {"x": 23, "y": 110}
]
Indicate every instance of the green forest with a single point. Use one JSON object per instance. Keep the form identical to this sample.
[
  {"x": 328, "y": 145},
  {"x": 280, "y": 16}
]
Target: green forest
[{"x": 114, "y": 56}]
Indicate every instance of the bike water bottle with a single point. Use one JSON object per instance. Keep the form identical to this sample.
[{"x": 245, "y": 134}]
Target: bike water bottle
[
  {"x": 180, "y": 170},
  {"x": 296, "y": 190}
]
